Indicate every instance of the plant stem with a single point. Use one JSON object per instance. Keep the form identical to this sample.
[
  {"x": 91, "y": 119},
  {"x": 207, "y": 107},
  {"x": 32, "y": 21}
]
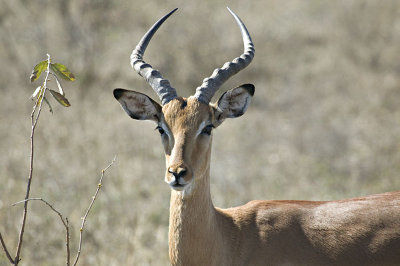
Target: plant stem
[
  {"x": 6, "y": 250},
  {"x": 99, "y": 185},
  {"x": 34, "y": 121},
  {"x": 64, "y": 221}
]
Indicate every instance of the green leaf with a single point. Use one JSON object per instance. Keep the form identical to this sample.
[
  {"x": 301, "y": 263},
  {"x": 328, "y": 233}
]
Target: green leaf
[
  {"x": 60, "y": 98},
  {"x": 62, "y": 71},
  {"x": 37, "y": 70}
]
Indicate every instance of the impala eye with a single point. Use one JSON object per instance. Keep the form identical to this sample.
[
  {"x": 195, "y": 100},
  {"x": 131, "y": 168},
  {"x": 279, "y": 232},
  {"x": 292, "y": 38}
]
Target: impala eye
[
  {"x": 160, "y": 130},
  {"x": 207, "y": 130}
]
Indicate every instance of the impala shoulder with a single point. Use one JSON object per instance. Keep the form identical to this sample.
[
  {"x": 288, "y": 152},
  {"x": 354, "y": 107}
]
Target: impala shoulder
[{"x": 268, "y": 213}]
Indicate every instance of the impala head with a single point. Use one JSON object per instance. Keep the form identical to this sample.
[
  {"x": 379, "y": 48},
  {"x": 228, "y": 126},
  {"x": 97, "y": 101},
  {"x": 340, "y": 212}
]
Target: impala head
[{"x": 186, "y": 124}]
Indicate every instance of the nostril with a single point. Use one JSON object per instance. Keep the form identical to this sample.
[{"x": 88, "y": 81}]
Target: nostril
[
  {"x": 182, "y": 173},
  {"x": 178, "y": 173}
]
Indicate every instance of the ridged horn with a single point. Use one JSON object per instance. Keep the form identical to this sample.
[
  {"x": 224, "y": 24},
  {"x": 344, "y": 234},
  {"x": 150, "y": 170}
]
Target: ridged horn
[
  {"x": 210, "y": 85},
  {"x": 160, "y": 85}
]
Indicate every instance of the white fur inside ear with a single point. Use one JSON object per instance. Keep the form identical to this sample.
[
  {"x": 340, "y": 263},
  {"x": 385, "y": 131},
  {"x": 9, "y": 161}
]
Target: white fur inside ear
[
  {"x": 234, "y": 103},
  {"x": 139, "y": 106}
]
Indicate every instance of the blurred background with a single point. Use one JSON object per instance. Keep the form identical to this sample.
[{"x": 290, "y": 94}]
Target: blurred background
[{"x": 324, "y": 123}]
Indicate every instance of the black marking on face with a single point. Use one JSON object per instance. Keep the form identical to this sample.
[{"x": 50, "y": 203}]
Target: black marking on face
[
  {"x": 207, "y": 130},
  {"x": 184, "y": 104}
]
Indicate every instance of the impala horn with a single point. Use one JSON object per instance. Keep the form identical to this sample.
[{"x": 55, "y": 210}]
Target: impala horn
[
  {"x": 210, "y": 85},
  {"x": 160, "y": 85}
]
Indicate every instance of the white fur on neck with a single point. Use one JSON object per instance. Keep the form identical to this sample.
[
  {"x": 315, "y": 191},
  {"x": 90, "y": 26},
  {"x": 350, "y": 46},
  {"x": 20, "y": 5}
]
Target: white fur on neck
[{"x": 187, "y": 191}]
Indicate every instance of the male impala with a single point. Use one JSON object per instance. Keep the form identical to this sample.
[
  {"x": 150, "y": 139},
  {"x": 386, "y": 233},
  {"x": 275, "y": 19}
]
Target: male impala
[{"x": 359, "y": 231}]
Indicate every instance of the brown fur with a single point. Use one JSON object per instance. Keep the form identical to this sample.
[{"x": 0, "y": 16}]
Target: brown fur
[{"x": 359, "y": 231}]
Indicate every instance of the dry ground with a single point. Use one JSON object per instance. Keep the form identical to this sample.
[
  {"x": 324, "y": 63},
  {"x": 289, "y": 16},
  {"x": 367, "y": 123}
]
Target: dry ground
[{"x": 324, "y": 123}]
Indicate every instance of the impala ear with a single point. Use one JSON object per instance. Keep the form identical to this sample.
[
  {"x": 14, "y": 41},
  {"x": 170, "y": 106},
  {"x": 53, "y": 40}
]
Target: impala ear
[
  {"x": 138, "y": 105},
  {"x": 234, "y": 102}
]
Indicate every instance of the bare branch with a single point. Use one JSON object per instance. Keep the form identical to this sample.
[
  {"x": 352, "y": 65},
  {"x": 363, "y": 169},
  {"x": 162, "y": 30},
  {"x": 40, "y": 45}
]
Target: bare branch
[
  {"x": 6, "y": 250},
  {"x": 63, "y": 220},
  {"x": 48, "y": 204},
  {"x": 67, "y": 243},
  {"x": 99, "y": 185}
]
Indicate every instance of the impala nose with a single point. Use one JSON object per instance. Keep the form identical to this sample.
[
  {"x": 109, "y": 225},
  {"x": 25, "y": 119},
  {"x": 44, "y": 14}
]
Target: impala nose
[
  {"x": 178, "y": 176},
  {"x": 178, "y": 172}
]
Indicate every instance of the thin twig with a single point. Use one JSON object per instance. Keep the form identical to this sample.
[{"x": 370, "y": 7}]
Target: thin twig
[
  {"x": 6, "y": 250},
  {"x": 64, "y": 221},
  {"x": 99, "y": 185},
  {"x": 34, "y": 122},
  {"x": 48, "y": 204},
  {"x": 67, "y": 243}
]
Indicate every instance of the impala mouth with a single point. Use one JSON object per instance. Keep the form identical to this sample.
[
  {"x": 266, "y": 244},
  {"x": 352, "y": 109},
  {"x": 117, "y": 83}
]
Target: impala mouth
[{"x": 176, "y": 185}]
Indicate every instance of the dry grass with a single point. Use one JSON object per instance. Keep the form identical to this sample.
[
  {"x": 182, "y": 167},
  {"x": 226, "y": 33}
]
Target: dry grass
[{"x": 324, "y": 124}]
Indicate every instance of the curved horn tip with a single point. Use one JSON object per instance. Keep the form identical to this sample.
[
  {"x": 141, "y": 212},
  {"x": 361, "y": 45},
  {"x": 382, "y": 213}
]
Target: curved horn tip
[
  {"x": 171, "y": 12},
  {"x": 230, "y": 10}
]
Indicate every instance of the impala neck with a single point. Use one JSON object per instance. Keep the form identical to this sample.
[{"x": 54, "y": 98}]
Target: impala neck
[{"x": 192, "y": 231}]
